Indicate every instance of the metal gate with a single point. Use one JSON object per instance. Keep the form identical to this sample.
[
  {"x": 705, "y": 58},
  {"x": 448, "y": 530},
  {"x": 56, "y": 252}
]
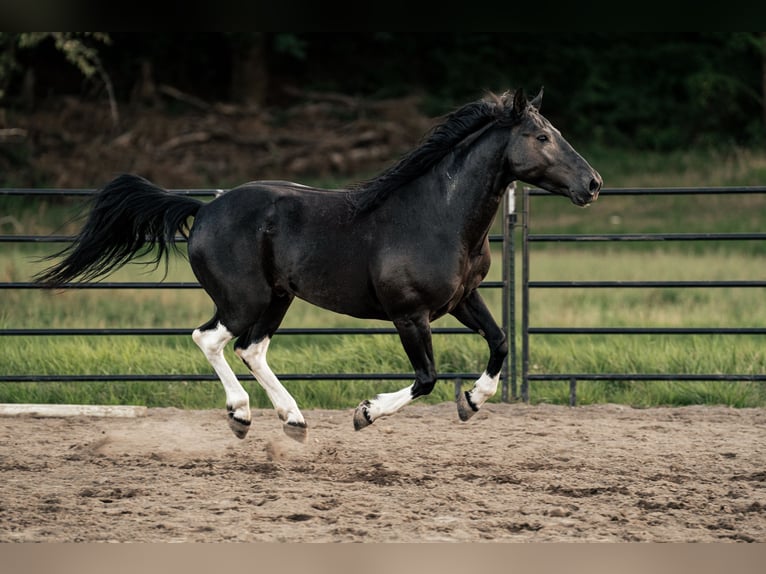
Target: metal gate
[{"x": 528, "y": 328}]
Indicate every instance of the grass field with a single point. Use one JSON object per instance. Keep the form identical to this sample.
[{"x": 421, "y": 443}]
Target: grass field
[{"x": 454, "y": 353}]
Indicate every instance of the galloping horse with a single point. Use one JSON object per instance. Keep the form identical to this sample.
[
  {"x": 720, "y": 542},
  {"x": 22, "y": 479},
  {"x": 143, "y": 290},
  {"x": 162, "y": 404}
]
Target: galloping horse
[{"x": 408, "y": 246}]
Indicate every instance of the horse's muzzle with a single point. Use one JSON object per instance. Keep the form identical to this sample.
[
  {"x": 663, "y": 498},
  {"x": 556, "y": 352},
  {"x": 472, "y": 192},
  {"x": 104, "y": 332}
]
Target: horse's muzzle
[
  {"x": 595, "y": 185},
  {"x": 585, "y": 197}
]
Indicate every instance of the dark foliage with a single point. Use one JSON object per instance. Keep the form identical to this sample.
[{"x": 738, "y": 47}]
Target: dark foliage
[{"x": 653, "y": 90}]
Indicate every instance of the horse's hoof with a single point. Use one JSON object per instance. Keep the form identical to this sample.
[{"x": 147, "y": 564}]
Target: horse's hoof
[
  {"x": 362, "y": 416},
  {"x": 465, "y": 408},
  {"x": 296, "y": 431},
  {"x": 238, "y": 426}
]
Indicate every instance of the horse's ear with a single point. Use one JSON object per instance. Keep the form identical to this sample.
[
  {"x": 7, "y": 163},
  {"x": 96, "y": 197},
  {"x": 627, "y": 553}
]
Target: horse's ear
[
  {"x": 519, "y": 101},
  {"x": 537, "y": 101}
]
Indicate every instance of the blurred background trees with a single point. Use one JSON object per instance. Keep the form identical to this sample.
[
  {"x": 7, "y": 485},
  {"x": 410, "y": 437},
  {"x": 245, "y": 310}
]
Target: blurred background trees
[
  {"x": 221, "y": 106},
  {"x": 648, "y": 90}
]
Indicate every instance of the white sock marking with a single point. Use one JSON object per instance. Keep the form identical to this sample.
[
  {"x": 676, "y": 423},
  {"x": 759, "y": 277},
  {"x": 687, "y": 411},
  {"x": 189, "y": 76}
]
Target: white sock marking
[
  {"x": 255, "y": 357},
  {"x": 212, "y": 344},
  {"x": 483, "y": 389},
  {"x": 388, "y": 403}
]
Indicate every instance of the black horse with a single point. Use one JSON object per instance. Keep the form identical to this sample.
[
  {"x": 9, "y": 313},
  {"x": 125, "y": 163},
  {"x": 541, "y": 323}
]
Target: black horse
[{"x": 407, "y": 246}]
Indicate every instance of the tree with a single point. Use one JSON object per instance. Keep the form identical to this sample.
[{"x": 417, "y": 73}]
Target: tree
[{"x": 77, "y": 48}]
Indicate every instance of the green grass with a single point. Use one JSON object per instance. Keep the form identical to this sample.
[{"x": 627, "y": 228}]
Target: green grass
[{"x": 461, "y": 353}]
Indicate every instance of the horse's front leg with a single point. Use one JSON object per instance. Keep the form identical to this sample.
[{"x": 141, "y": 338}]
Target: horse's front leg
[
  {"x": 475, "y": 315},
  {"x": 415, "y": 334}
]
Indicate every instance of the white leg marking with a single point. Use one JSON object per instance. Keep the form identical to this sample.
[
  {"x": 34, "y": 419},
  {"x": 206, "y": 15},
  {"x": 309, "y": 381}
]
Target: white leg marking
[
  {"x": 483, "y": 389},
  {"x": 255, "y": 358},
  {"x": 386, "y": 404},
  {"x": 382, "y": 405},
  {"x": 212, "y": 344}
]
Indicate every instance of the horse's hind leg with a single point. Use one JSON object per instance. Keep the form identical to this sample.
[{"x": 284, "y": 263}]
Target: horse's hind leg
[
  {"x": 252, "y": 347},
  {"x": 212, "y": 339}
]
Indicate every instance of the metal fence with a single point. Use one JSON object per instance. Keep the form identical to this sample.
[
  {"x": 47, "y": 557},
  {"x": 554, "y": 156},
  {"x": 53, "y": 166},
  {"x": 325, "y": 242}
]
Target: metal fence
[
  {"x": 506, "y": 284},
  {"x": 509, "y": 223},
  {"x": 528, "y": 328}
]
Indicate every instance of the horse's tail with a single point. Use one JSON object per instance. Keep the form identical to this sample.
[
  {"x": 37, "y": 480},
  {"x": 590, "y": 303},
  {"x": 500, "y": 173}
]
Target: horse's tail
[{"x": 130, "y": 217}]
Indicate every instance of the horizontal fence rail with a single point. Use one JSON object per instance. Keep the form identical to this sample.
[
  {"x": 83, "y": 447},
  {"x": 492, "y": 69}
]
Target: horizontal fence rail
[
  {"x": 456, "y": 377},
  {"x": 647, "y": 331},
  {"x": 506, "y": 239},
  {"x": 644, "y": 377},
  {"x": 527, "y": 329},
  {"x": 154, "y": 285},
  {"x": 650, "y": 237},
  {"x": 188, "y": 330},
  {"x": 641, "y": 284}
]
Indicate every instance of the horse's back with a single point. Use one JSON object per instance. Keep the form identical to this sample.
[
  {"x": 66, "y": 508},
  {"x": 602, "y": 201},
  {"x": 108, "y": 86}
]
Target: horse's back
[
  {"x": 239, "y": 208},
  {"x": 282, "y": 184}
]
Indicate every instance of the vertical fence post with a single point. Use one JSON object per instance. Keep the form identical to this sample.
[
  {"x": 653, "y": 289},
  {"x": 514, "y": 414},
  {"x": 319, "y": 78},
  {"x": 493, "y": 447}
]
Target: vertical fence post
[
  {"x": 572, "y": 392},
  {"x": 525, "y": 295},
  {"x": 509, "y": 293}
]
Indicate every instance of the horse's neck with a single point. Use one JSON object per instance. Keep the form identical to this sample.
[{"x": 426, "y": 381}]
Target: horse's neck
[{"x": 472, "y": 182}]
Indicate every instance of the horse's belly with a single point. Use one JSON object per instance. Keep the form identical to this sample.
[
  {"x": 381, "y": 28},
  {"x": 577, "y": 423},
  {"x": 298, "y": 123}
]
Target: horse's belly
[
  {"x": 361, "y": 308},
  {"x": 348, "y": 293}
]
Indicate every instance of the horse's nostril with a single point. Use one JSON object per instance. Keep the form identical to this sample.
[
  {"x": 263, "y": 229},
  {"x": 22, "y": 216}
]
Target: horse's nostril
[{"x": 595, "y": 185}]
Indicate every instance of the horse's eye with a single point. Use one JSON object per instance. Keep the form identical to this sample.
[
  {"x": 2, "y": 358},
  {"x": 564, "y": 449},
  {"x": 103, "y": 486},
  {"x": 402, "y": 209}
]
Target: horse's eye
[{"x": 542, "y": 138}]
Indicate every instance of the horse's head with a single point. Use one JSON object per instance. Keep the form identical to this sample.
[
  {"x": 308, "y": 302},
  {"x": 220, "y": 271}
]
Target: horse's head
[{"x": 539, "y": 155}]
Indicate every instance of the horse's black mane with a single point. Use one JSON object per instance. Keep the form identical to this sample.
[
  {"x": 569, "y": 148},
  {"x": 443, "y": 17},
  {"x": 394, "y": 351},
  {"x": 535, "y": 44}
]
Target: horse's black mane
[{"x": 442, "y": 138}]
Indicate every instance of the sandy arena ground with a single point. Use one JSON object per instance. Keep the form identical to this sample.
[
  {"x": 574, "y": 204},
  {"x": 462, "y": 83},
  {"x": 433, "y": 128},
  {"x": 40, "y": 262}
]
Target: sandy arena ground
[{"x": 512, "y": 473}]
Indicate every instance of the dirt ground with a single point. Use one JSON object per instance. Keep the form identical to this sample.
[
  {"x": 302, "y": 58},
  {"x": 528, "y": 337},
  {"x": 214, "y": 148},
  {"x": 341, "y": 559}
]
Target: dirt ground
[{"x": 512, "y": 473}]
